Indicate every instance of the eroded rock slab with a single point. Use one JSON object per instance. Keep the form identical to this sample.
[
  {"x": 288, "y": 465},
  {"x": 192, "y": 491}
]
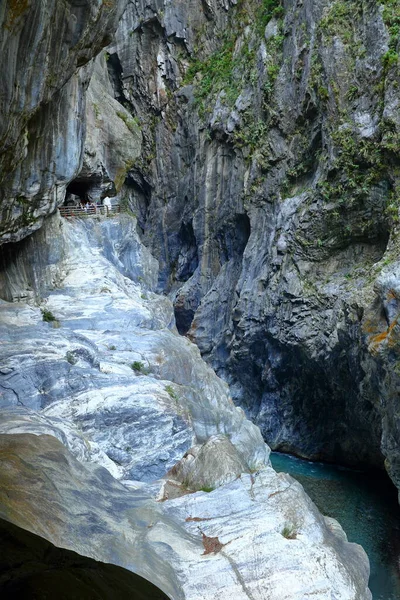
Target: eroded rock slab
[
  {"x": 255, "y": 537},
  {"x": 108, "y": 375}
]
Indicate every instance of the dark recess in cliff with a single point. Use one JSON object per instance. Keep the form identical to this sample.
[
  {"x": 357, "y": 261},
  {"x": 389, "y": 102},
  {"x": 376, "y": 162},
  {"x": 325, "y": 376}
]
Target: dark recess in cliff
[{"x": 31, "y": 567}]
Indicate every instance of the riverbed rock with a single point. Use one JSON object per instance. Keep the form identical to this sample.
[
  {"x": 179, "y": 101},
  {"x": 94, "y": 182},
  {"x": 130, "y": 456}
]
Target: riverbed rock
[{"x": 255, "y": 536}]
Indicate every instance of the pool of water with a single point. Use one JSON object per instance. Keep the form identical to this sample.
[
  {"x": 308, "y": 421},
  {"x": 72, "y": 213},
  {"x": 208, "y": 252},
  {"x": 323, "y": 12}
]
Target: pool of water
[{"x": 365, "y": 505}]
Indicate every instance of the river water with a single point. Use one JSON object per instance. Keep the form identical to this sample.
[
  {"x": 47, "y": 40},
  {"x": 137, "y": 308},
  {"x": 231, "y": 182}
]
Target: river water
[{"x": 365, "y": 505}]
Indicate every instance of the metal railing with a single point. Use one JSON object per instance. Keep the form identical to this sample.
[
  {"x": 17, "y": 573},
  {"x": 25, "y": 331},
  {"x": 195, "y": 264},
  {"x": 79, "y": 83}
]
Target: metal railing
[{"x": 89, "y": 211}]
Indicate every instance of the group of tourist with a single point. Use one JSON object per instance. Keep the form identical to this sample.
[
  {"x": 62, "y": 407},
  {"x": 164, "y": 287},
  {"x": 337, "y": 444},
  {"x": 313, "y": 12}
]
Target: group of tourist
[
  {"x": 92, "y": 208},
  {"x": 88, "y": 206}
]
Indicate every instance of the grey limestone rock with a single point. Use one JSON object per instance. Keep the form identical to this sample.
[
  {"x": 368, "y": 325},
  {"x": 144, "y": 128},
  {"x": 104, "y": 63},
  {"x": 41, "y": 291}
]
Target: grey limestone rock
[
  {"x": 113, "y": 137},
  {"x": 208, "y": 466},
  {"x": 232, "y": 542},
  {"x": 114, "y": 364},
  {"x": 270, "y": 200},
  {"x": 117, "y": 385},
  {"x": 45, "y": 47}
]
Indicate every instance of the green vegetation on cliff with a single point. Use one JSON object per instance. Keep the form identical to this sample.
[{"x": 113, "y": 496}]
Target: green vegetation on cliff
[
  {"x": 233, "y": 65},
  {"x": 391, "y": 17},
  {"x": 358, "y": 165}
]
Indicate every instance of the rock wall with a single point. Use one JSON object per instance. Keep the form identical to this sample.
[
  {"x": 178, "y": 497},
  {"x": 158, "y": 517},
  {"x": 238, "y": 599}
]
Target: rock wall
[
  {"x": 268, "y": 191},
  {"x": 257, "y": 146},
  {"x": 47, "y": 48},
  {"x": 259, "y": 177},
  {"x": 31, "y": 567}
]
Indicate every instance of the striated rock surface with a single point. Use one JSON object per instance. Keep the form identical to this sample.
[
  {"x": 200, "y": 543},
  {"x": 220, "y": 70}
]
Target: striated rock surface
[
  {"x": 258, "y": 536},
  {"x": 198, "y": 510},
  {"x": 45, "y": 47},
  {"x": 113, "y": 139},
  {"x": 268, "y": 190},
  {"x": 114, "y": 359}
]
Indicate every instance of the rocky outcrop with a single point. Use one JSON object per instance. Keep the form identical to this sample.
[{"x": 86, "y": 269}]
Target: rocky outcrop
[
  {"x": 258, "y": 535},
  {"x": 113, "y": 139},
  {"x": 198, "y": 510},
  {"x": 97, "y": 367},
  {"x": 47, "y": 48},
  {"x": 208, "y": 466},
  {"x": 268, "y": 191}
]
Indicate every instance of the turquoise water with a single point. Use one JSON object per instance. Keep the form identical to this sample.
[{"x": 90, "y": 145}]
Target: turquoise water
[{"x": 365, "y": 505}]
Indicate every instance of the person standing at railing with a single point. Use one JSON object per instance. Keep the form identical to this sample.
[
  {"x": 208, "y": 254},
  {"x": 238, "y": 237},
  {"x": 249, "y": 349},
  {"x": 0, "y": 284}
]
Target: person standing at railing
[{"x": 107, "y": 205}]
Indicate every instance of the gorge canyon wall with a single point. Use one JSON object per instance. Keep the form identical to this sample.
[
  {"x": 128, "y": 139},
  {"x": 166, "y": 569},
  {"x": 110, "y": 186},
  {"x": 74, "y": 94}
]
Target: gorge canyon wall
[
  {"x": 257, "y": 145},
  {"x": 268, "y": 190},
  {"x": 255, "y": 149}
]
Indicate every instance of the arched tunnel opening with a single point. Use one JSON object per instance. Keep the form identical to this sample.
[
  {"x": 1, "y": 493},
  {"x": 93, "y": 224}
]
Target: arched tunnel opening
[
  {"x": 77, "y": 188},
  {"x": 87, "y": 190}
]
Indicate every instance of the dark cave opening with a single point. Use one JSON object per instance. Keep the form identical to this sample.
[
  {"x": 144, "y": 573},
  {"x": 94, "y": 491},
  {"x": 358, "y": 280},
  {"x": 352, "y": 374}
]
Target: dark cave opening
[
  {"x": 188, "y": 259},
  {"x": 115, "y": 72},
  {"x": 89, "y": 189},
  {"x": 183, "y": 318},
  {"x": 185, "y": 265},
  {"x": 232, "y": 238},
  {"x": 78, "y": 188}
]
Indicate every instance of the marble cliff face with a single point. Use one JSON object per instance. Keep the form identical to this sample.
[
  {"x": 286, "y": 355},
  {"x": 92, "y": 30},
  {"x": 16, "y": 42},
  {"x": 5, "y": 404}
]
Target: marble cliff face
[
  {"x": 119, "y": 442},
  {"x": 254, "y": 146},
  {"x": 47, "y": 49},
  {"x": 268, "y": 190}
]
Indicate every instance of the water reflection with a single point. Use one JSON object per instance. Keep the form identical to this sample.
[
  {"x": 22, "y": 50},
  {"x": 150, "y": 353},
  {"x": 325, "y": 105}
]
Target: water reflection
[{"x": 365, "y": 505}]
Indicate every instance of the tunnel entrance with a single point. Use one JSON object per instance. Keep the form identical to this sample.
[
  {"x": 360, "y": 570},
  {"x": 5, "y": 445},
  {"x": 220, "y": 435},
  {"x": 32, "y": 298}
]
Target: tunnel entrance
[
  {"x": 89, "y": 197},
  {"x": 78, "y": 188}
]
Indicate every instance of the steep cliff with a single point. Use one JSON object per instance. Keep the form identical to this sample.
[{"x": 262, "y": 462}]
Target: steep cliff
[
  {"x": 47, "y": 48},
  {"x": 268, "y": 191}
]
